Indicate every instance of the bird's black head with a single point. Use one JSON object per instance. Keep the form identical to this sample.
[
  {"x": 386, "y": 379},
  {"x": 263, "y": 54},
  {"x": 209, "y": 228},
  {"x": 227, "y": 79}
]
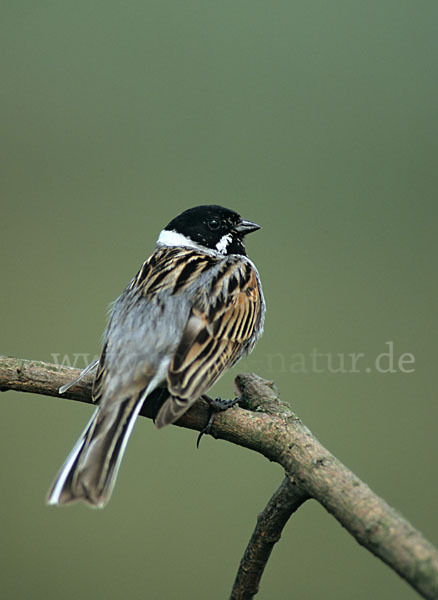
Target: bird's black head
[{"x": 212, "y": 227}]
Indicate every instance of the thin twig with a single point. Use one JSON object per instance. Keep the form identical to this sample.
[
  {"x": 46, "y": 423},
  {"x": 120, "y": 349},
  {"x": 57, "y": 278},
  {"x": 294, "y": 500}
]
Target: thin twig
[
  {"x": 270, "y": 524},
  {"x": 271, "y": 428}
]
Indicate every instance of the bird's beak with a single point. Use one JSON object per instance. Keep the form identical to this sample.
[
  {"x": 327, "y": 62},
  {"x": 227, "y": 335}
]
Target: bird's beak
[{"x": 245, "y": 227}]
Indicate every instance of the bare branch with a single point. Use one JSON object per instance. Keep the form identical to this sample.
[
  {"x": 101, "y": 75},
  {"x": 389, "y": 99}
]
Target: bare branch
[
  {"x": 270, "y": 524},
  {"x": 271, "y": 428}
]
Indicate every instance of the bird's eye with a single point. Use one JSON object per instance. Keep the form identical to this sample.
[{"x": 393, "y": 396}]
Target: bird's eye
[{"x": 214, "y": 224}]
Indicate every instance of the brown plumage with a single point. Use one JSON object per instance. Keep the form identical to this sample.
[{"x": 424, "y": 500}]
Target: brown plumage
[{"x": 193, "y": 309}]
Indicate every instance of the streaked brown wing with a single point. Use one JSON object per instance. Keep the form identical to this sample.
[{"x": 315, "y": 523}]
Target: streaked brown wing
[
  {"x": 220, "y": 328},
  {"x": 168, "y": 269}
]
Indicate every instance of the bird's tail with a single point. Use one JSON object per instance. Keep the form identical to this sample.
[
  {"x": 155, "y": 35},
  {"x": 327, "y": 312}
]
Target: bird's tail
[{"x": 90, "y": 471}]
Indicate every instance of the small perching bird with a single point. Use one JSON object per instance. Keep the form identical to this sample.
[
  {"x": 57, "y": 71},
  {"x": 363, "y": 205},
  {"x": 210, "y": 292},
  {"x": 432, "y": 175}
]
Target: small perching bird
[{"x": 192, "y": 311}]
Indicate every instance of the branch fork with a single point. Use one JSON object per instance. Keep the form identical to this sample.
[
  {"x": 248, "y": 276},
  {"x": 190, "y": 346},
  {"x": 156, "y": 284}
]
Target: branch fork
[{"x": 269, "y": 426}]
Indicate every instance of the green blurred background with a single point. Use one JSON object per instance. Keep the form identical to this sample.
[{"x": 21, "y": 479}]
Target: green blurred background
[{"x": 317, "y": 120}]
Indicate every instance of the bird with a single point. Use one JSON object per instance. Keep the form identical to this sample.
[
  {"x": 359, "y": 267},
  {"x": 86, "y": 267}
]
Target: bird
[{"x": 194, "y": 308}]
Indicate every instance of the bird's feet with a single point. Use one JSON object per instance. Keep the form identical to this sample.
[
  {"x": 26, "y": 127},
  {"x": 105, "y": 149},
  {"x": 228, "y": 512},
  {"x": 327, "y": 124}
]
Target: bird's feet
[{"x": 215, "y": 405}]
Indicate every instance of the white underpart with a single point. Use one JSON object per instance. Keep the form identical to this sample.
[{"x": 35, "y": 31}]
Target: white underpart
[
  {"x": 173, "y": 238},
  {"x": 222, "y": 244}
]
